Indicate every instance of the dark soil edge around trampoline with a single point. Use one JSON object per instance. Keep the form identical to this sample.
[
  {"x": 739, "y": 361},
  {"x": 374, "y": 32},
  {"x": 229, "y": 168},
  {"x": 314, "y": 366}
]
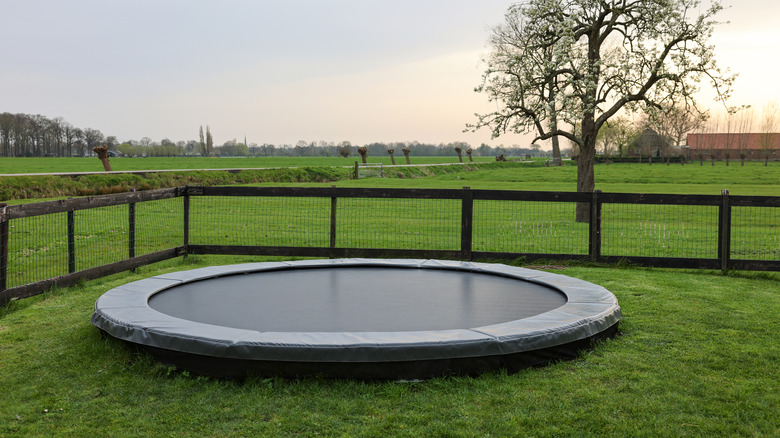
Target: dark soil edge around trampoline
[{"x": 403, "y": 370}]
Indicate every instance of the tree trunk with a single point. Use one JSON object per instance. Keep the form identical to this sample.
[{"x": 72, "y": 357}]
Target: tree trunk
[
  {"x": 392, "y": 157},
  {"x": 586, "y": 181},
  {"x": 102, "y": 153},
  {"x": 556, "y": 149},
  {"x": 556, "y": 152}
]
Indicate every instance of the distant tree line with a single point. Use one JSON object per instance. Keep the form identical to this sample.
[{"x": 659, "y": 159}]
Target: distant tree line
[
  {"x": 376, "y": 149},
  {"x": 26, "y": 135}
]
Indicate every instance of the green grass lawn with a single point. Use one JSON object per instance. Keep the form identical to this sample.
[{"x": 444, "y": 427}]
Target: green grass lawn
[
  {"x": 697, "y": 356},
  {"x": 752, "y": 179},
  {"x": 84, "y": 164}
]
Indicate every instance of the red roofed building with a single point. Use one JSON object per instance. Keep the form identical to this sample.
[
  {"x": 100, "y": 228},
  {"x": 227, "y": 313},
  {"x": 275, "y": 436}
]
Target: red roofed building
[{"x": 755, "y": 146}]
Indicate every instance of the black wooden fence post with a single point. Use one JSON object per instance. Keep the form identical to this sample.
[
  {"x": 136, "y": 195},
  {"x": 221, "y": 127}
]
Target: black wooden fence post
[
  {"x": 594, "y": 246},
  {"x": 186, "y": 239},
  {"x": 333, "y": 218},
  {"x": 3, "y": 247},
  {"x": 724, "y": 231},
  {"x": 71, "y": 242},
  {"x": 466, "y": 223},
  {"x": 131, "y": 228}
]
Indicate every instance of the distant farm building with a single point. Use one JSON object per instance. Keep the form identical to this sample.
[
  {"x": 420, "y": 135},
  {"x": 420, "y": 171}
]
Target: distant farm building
[
  {"x": 754, "y": 146},
  {"x": 650, "y": 143}
]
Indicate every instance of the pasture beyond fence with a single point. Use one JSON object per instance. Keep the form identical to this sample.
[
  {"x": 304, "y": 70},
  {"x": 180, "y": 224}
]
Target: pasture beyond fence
[{"x": 59, "y": 243}]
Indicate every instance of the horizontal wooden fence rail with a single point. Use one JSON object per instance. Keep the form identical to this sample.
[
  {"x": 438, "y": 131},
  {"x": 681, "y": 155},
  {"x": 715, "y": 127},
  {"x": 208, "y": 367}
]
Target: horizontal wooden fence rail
[
  {"x": 24, "y": 228},
  {"x": 58, "y": 243}
]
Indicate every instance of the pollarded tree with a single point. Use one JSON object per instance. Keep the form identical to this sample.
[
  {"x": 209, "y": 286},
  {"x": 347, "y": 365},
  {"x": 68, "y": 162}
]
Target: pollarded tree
[
  {"x": 564, "y": 67},
  {"x": 363, "y": 151},
  {"x": 407, "y": 150}
]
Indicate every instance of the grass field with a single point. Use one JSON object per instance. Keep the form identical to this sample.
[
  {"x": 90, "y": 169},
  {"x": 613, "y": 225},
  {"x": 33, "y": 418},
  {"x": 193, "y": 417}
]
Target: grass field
[
  {"x": 39, "y": 248},
  {"x": 66, "y": 165},
  {"x": 752, "y": 179},
  {"x": 697, "y": 356}
]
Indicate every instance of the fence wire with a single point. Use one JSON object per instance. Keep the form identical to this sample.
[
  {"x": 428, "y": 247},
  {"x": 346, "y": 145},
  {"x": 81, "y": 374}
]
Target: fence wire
[
  {"x": 101, "y": 236},
  {"x": 406, "y": 223},
  {"x": 260, "y": 221},
  {"x": 159, "y": 225},
  {"x": 38, "y": 245},
  {"x": 755, "y": 233},
  {"x": 528, "y": 227},
  {"x": 37, "y": 248},
  {"x": 652, "y": 230}
]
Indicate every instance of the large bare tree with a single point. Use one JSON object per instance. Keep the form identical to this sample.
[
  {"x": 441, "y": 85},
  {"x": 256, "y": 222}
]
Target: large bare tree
[
  {"x": 745, "y": 128},
  {"x": 713, "y": 140},
  {"x": 93, "y": 138},
  {"x": 769, "y": 137},
  {"x": 562, "y": 68}
]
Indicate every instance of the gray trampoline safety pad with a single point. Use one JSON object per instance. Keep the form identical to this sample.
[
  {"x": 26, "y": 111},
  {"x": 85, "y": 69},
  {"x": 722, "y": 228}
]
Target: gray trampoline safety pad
[{"x": 579, "y": 310}]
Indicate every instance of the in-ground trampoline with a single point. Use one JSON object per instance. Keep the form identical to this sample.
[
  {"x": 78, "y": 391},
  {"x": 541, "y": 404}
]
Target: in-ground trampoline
[{"x": 358, "y": 318}]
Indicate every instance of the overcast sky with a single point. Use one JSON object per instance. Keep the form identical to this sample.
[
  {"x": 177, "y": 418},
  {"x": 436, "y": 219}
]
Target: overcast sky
[{"x": 280, "y": 71}]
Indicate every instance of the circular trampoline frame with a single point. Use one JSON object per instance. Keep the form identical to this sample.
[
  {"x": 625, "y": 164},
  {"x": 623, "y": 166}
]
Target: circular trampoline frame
[{"x": 590, "y": 313}]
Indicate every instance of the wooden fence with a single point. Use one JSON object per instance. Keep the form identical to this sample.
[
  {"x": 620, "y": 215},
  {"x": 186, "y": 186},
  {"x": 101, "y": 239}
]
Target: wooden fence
[{"x": 624, "y": 226}]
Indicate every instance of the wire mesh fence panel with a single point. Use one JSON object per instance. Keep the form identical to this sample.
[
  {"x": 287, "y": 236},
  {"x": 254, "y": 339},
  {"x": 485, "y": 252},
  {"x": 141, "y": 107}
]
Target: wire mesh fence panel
[
  {"x": 159, "y": 225},
  {"x": 407, "y": 223},
  {"x": 101, "y": 236},
  {"x": 655, "y": 230},
  {"x": 755, "y": 233},
  {"x": 528, "y": 227},
  {"x": 260, "y": 221},
  {"x": 38, "y": 240},
  {"x": 37, "y": 248}
]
